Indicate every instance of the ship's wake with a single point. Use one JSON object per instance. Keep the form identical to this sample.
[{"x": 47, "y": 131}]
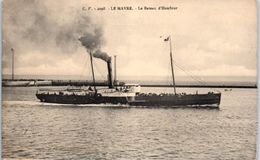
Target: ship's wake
[
  {"x": 102, "y": 105},
  {"x": 38, "y": 103}
]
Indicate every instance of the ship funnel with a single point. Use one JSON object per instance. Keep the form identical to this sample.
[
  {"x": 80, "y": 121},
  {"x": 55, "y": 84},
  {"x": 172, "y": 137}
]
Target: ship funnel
[{"x": 109, "y": 68}]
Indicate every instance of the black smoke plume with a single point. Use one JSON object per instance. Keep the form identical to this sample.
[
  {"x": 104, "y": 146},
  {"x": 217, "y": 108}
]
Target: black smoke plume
[
  {"x": 36, "y": 26},
  {"x": 92, "y": 41},
  {"x": 102, "y": 55}
]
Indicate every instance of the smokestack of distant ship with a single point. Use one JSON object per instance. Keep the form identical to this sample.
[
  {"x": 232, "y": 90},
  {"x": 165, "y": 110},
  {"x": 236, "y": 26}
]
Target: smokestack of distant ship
[
  {"x": 104, "y": 56},
  {"x": 109, "y": 68}
]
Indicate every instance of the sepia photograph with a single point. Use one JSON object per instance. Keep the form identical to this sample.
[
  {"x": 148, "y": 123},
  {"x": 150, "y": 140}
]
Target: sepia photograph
[{"x": 129, "y": 79}]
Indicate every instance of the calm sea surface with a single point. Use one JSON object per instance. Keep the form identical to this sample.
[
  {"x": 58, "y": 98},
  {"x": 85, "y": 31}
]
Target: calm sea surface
[{"x": 37, "y": 130}]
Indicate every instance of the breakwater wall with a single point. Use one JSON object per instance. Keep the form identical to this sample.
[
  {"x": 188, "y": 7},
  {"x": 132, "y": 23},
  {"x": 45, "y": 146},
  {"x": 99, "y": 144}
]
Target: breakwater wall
[{"x": 42, "y": 82}]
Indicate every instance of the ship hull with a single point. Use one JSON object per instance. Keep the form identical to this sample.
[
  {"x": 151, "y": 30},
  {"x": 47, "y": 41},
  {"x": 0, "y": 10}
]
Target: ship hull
[
  {"x": 81, "y": 99},
  {"x": 192, "y": 100}
]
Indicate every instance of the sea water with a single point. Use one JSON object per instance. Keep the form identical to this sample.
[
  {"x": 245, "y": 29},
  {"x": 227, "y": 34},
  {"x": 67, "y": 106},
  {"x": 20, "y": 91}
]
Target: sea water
[{"x": 35, "y": 130}]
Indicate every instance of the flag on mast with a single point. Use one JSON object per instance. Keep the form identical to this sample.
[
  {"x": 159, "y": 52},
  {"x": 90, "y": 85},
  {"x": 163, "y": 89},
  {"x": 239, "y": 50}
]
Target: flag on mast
[{"x": 167, "y": 39}]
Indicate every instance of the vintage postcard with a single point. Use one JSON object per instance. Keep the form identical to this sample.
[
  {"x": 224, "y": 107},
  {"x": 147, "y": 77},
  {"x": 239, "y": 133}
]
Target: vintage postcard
[{"x": 129, "y": 79}]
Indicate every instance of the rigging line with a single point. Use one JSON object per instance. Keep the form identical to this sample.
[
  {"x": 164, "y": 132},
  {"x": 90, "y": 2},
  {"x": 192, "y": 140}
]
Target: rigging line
[
  {"x": 191, "y": 74},
  {"x": 194, "y": 78}
]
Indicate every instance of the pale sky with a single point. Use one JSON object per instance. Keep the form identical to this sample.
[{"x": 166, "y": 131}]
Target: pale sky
[{"x": 209, "y": 38}]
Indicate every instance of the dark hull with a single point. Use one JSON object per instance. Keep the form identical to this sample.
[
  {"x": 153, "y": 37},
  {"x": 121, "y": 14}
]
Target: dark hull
[
  {"x": 207, "y": 100},
  {"x": 81, "y": 99},
  {"x": 196, "y": 100}
]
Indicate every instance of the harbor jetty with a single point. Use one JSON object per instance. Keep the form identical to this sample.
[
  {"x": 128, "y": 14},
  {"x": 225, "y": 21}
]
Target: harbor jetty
[{"x": 49, "y": 82}]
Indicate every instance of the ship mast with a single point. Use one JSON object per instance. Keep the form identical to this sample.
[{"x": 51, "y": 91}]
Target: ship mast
[
  {"x": 173, "y": 80},
  {"x": 92, "y": 69},
  {"x": 115, "y": 69},
  {"x": 12, "y": 50}
]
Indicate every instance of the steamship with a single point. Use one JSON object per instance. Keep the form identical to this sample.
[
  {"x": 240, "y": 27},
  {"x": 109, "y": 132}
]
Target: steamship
[{"x": 129, "y": 94}]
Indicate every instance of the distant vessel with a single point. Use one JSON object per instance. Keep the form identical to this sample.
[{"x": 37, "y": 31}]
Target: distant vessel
[
  {"x": 12, "y": 83},
  {"x": 128, "y": 94}
]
